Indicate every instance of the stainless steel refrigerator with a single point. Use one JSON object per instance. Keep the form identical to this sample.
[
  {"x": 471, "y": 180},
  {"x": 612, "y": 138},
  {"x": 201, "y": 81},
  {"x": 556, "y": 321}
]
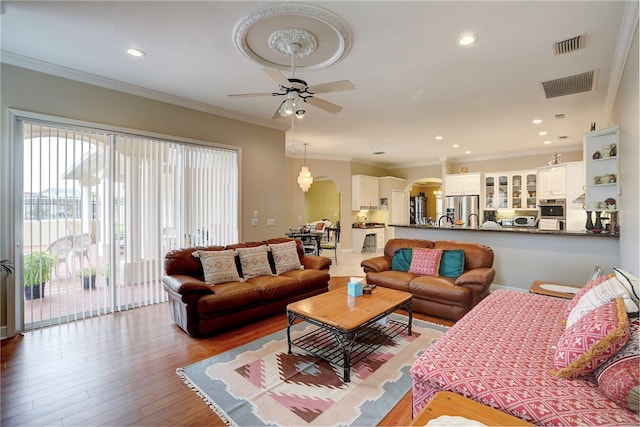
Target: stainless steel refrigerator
[{"x": 464, "y": 208}]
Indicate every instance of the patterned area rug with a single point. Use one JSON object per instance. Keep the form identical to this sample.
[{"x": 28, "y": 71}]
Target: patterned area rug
[{"x": 260, "y": 384}]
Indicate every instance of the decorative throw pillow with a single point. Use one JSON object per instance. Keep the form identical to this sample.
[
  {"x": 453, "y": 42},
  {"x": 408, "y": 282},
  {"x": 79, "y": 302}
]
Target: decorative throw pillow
[
  {"x": 452, "y": 263},
  {"x": 586, "y": 288},
  {"x": 600, "y": 334},
  {"x": 254, "y": 261},
  {"x": 218, "y": 266},
  {"x": 425, "y": 261},
  {"x": 619, "y": 377},
  {"x": 401, "y": 260},
  {"x": 285, "y": 256},
  {"x": 602, "y": 293},
  {"x": 630, "y": 282}
]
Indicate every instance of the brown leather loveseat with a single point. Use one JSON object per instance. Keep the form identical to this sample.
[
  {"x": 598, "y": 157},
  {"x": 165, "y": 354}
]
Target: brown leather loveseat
[
  {"x": 439, "y": 296},
  {"x": 201, "y": 309}
]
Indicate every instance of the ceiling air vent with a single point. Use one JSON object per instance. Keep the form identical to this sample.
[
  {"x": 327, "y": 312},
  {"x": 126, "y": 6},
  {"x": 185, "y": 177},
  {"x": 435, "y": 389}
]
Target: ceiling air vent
[
  {"x": 569, "y": 45},
  {"x": 569, "y": 85}
]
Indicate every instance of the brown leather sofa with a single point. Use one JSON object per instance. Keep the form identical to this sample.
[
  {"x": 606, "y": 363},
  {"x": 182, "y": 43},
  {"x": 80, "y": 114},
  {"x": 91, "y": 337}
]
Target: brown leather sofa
[
  {"x": 201, "y": 309},
  {"x": 443, "y": 297}
]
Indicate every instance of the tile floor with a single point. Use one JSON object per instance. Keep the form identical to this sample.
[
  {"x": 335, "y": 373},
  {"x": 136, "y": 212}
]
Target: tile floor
[{"x": 349, "y": 263}]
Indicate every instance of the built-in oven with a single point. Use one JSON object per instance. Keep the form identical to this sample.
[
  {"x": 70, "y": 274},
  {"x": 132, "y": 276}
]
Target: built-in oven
[{"x": 552, "y": 214}]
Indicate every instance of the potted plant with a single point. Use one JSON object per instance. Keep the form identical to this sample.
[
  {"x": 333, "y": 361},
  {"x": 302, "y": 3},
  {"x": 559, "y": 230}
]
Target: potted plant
[
  {"x": 7, "y": 268},
  {"x": 37, "y": 271},
  {"x": 88, "y": 276}
]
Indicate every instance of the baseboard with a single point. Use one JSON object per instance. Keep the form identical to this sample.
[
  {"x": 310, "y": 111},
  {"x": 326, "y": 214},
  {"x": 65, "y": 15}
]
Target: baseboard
[{"x": 495, "y": 287}]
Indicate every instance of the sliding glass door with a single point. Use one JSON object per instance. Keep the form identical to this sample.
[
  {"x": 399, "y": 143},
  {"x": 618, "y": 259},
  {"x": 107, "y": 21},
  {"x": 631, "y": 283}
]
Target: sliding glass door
[{"x": 99, "y": 209}]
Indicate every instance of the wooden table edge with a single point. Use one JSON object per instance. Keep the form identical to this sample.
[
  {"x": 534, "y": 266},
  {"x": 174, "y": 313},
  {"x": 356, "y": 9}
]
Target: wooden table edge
[
  {"x": 536, "y": 289},
  {"x": 453, "y": 404}
]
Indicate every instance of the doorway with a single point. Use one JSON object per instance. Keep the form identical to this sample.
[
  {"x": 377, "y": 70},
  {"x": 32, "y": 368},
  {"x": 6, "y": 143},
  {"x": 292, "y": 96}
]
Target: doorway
[{"x": 322, "y": 201}]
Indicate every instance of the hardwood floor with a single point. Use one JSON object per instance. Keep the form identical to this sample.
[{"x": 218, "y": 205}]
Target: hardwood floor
[{"x": 119, "y": 370}]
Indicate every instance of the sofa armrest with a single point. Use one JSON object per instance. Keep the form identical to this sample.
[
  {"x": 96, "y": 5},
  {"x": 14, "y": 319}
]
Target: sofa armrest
[
  {"x": 478, "y": 276},
  {"x": 315, "y": 262},
  {"x": 186, "y": 285},
  {"x": 376, "y": 264}
]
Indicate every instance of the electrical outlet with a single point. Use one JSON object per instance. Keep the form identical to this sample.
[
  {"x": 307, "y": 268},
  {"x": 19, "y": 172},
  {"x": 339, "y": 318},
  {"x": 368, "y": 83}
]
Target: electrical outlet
[
  {"x": 271, "y": 222},
  {"x": 254, "y": 221}
]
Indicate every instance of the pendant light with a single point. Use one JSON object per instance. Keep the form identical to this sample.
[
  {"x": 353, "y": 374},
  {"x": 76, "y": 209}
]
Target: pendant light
[{"x": 304, "y": 177}]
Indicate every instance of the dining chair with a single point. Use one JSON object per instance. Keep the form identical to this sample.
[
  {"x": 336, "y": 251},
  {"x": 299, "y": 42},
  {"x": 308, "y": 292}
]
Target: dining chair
[{"x": 332, "y": 244}]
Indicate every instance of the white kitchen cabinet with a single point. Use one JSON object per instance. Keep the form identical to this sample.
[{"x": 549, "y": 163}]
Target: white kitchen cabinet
[
  {"x": 496, "y": 191},
  {"x": 510, "y": 190},
  {"x": 463, "y": 184},
  {"x": 601, "y": 153},
  {"x": 552, "y": 182},
  {"x": 364, "y": 192},
  {"x": 522, "y": 190},
  {"x": 386, "y": 186}
]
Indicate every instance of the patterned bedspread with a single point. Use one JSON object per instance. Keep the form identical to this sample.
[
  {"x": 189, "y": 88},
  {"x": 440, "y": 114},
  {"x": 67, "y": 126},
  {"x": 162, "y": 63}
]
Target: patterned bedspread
[{"x": 500, "y": 354}]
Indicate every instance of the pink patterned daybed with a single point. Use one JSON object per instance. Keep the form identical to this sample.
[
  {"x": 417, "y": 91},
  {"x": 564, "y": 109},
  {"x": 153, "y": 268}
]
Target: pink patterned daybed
[{"x": 501, "y": 354}]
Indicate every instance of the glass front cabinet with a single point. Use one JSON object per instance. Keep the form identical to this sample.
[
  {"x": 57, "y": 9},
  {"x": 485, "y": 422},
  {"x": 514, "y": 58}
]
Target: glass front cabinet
[{"x": 510, "y": 190}]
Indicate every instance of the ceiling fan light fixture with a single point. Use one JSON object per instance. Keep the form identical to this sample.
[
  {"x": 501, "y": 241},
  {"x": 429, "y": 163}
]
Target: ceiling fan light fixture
[
  {"x": 289, "y": 107},
  {"x": 300, "y": 113}
]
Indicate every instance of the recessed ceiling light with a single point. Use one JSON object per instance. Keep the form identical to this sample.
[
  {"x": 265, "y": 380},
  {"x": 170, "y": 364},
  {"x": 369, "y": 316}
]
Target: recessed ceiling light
[
  {"x": 439, "y": 137},
  {"x": 467, "y": 39},
  {"x": 456, "y": 145},
  {"x": 136, "y": 52},
  {"x": 542, "y": 133},
  {"x": 467, "y": 152},
  {"x": 537, "y": 121},
  {"x": 547, "y": 142}
]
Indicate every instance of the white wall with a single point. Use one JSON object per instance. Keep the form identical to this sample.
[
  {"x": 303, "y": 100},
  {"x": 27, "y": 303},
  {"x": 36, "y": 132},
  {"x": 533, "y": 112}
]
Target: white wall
[{"x": 628, "y": 118}]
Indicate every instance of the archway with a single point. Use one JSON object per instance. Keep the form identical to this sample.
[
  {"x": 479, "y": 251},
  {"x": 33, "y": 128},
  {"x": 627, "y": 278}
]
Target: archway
[
  {"x": 322, "y": 201},
  {"x": 431, "y": 190}
]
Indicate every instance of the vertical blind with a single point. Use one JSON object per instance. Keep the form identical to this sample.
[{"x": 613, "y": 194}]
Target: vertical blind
[{"x": 105, "y": 207}]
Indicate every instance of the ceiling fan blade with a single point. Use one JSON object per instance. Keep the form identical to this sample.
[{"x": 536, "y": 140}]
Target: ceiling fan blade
[
  {"x": 324, "y": 105},
  {"x": 277, "y": 75},
  {"x": 332, "y": 87},
  {"x": 249, "y": 95},
  {"x": 276, "y": 114}
]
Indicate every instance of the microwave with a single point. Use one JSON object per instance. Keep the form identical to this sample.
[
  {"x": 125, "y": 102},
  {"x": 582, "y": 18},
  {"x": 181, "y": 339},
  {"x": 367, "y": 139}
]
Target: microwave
[{"x": 552, "y": 208}]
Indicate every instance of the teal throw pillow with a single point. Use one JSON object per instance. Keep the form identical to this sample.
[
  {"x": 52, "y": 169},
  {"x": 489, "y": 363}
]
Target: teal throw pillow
[
  {"x": 452, "y": 263},
  {"x": 401, "y": 260}
]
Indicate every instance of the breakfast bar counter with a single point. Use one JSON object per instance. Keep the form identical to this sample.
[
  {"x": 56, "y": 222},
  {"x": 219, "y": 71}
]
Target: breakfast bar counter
[{"x": 524, "y": 255}]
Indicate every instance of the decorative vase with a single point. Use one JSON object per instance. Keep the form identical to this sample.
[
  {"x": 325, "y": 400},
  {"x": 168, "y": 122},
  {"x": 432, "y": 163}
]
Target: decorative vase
[
  {"x": 589, "y": 225},
  {"x": 597, "y": 226}
]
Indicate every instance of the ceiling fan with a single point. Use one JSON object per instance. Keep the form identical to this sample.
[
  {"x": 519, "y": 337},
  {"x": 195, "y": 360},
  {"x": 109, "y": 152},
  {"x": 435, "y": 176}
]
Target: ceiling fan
[{"x": 297, "y": 91}]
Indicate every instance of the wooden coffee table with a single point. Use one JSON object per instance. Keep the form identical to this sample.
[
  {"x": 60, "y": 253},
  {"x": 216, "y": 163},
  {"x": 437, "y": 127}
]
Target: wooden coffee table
[{"x": 349, "y": 328}]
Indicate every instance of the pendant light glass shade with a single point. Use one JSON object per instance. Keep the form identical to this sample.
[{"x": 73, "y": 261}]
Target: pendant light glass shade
[{"x": 304, "y": 177}]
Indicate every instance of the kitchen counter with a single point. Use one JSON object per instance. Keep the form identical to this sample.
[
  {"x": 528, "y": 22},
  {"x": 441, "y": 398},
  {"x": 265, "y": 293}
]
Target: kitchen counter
[
  {"x": 368, "y": 226},
  {"x": 527, "y": 230},
  {"x": 524, "y": 255}
]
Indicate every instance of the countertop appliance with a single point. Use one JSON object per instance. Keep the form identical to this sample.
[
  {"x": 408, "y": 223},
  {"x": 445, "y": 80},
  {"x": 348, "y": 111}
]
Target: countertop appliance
[{"x": 525, "y": 221}]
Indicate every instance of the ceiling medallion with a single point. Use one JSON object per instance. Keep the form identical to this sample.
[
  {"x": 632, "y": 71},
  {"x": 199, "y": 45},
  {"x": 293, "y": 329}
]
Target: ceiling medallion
[
  {"x": 262, "y": 36},
  {"x": 280, "y": 41}
]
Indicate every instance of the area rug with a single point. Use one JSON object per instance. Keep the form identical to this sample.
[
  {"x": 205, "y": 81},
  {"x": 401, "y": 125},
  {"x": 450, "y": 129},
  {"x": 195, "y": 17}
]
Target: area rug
[{"x": 261, "y": 384}]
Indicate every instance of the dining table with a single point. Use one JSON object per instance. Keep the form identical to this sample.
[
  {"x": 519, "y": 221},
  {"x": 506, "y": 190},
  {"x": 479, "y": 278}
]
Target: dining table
[{"x": 308, "y": 237}]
